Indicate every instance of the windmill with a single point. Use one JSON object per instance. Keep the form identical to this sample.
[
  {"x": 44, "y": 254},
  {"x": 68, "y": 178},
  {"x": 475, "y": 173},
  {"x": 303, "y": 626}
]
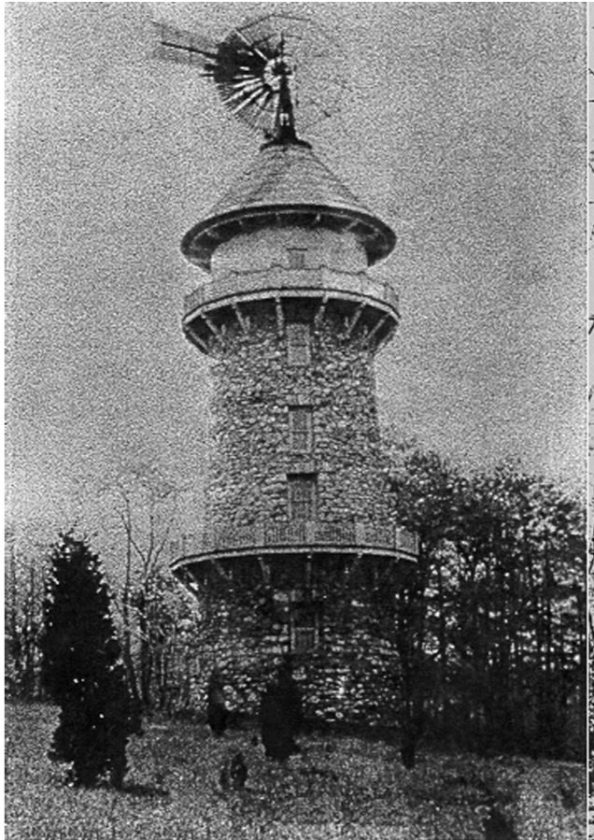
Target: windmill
[
  {"x": 267, "y": 71},
  {"x": 291, "y": 322}
]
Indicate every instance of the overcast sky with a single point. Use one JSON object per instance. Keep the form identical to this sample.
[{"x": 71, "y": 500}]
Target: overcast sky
[{"x": 464, "y": 129}]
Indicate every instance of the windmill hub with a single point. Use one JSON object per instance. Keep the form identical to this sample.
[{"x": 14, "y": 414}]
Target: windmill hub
[{"x": 275, "y": 70}]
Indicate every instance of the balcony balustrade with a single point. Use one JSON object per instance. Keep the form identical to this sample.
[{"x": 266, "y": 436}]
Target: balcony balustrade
[
  {"x": 280, "y": 280},
  {"x": 291, "y": 537}
]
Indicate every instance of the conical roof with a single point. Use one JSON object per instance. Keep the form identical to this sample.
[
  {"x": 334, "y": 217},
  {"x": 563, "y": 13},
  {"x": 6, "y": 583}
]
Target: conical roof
[{"x": 286, "y": 184}]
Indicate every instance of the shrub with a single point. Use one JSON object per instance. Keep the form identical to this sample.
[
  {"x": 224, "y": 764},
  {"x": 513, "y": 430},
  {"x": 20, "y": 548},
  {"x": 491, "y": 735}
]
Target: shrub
[{"x": 82, "y": 668}]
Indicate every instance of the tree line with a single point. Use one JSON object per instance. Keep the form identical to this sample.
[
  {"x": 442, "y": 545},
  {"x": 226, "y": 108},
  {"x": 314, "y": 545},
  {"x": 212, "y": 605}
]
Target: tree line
[
  {"x": 489, "y": 631},
  {"x": 492, "y": 628}
]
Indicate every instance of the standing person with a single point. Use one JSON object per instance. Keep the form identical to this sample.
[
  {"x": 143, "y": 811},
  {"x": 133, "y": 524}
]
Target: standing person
[
  {"x": 281, "y": 715},
  {"x": 217, "y": 713}
]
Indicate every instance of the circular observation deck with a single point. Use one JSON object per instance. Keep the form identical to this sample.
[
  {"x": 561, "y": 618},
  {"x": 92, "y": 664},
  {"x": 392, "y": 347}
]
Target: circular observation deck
[
  {"x": 224, "y": 548},
  {"x": 366, "y": 307}
]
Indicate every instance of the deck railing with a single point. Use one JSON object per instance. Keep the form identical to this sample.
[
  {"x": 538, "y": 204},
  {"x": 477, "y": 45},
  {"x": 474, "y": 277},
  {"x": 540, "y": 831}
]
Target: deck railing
[
  {"x": 280, "y": 279},
  {"x": 307, "y": 533}
]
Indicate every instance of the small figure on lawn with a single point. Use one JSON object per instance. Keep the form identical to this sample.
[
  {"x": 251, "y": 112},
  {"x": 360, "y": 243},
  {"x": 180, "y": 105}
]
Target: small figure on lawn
[
  {"x": 234, "y": 773},
  {"x": 281, "y": 715},
  {"x": 497, "y": 826},
  {"x": 217, "y": 713}
]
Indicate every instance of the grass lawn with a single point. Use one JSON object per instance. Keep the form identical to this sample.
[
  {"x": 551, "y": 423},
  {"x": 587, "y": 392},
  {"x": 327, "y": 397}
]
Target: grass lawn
[{"x": 339, "y": 787}]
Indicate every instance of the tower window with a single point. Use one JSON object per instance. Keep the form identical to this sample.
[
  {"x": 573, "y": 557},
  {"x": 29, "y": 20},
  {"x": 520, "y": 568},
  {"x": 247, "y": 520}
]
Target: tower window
[
  {"x": 298, "y": 344},
  {"x": 297, "y": 257},
  {"x": 301, "y": 428},
  {"x": 304, "y": 626},
  {"x": 302, "y": 497}
]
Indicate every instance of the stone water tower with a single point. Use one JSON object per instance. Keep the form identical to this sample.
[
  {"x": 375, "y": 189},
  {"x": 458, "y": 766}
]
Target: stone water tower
[{"x": 290, "y": 321}]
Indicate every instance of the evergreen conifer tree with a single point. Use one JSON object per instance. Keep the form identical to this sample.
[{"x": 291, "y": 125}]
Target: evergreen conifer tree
[{"x": 82, "y": 668}]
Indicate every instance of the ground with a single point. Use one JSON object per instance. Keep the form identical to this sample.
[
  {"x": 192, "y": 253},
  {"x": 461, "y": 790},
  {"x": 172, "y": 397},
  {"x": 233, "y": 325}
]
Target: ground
[{"x": 338, "y": 787}]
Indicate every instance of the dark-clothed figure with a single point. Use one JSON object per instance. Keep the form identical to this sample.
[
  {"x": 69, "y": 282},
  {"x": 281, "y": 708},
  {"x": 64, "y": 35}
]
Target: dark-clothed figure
[
  {"x": 217, "y": 713},
  {"x": 234, "y": 773},
  {"x": 281, "y": 715}
]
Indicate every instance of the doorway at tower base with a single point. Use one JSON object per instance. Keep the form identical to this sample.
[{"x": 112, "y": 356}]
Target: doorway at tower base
[{"x": 337, "y": 619}]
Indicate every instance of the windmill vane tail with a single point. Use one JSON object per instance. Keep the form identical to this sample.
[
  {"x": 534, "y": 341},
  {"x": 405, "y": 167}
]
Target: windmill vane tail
[{"x": 182, "y": 46}]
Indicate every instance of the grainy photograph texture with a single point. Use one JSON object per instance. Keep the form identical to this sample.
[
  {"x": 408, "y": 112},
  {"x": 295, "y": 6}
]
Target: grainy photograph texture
[{"x": 295, "y": 376}]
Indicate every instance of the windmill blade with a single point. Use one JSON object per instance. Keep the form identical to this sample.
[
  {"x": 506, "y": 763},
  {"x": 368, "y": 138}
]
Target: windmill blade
[
  {"x": 184, "y": 47},
  {"x": 266, "y": 108},
  {"x": 258, "y": 94},
  {"x": 236, "y": 60},
  {"x": 252, "y": 46}
]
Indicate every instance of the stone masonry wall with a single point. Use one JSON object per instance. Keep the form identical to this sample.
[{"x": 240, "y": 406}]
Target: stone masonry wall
[{"x": 253, "y": 386}]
